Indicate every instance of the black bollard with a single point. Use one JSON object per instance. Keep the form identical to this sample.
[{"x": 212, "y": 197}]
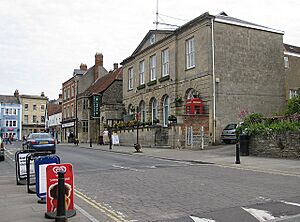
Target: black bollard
[
  {"x": 91, "y": 143},
  {"x": 237, "y": 153},
  {"x": 61, "y": 208}
]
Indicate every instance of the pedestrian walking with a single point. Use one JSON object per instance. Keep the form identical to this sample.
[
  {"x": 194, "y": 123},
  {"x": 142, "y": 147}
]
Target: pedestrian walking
[{"x": 110, "y": 139}]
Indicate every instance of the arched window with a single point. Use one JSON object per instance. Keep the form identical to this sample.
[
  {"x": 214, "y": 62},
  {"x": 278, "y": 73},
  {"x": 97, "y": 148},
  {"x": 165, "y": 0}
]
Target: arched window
[
  {"x": 143, "y": 111},
  {"x": 191, "y": 94},
  {"x": 131, "y": 109},
  {"x": 153, "y": 110},
  {"x": 166, "y": 110}
]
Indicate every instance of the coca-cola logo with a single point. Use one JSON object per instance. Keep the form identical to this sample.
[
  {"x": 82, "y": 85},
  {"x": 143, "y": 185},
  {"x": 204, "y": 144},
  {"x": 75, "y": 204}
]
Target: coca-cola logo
[{"x": 57, "y": 169}]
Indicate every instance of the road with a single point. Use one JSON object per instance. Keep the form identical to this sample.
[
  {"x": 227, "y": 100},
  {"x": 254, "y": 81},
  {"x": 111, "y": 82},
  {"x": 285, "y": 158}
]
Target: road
[{"x": 122, "y": 187}]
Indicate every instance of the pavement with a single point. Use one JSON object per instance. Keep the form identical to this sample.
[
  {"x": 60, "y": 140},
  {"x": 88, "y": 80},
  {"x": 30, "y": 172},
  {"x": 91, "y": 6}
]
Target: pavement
[{"x": 17, "y": 205}]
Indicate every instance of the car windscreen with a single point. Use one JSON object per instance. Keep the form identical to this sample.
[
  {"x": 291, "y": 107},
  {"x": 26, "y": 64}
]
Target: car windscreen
[{"x": 230, "y": 126}]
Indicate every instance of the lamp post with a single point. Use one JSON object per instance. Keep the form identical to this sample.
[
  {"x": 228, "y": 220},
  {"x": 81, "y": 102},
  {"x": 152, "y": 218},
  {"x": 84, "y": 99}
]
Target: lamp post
[
  {"x": 76, "y": 117},
  {"x": 137, "y": 146}
]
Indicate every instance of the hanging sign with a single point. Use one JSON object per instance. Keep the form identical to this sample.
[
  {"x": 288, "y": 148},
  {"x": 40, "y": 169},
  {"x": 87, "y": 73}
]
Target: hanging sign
[{"x": 96, "y": 106}]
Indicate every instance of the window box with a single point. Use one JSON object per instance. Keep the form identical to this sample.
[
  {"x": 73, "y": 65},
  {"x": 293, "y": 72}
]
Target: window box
[
  {"x": 165, "y": 78},
  {"x": 141, "y": 86},
  {"x": 153, "y": 82}
]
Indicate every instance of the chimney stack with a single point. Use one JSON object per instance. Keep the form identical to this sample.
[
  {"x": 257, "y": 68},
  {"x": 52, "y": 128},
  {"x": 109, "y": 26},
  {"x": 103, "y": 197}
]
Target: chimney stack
[
  {"x": 16, "y": 93},
  {"x": 115, "y": 66},
  {"x": 98, "y": 59},
  {"x": 98, "y": 65},
  {"x": 83, "y": 66}
]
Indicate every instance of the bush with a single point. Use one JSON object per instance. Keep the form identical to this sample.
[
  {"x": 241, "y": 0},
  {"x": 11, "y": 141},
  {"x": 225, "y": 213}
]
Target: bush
[{"x": 293, "y": 106}]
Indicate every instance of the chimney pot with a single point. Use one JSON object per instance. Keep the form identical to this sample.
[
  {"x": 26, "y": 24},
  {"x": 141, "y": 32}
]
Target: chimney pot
[
  {"x": 83, "y": 66},
  {"x": 16, "y": 94},
  {"x": 115, "y": 66}
]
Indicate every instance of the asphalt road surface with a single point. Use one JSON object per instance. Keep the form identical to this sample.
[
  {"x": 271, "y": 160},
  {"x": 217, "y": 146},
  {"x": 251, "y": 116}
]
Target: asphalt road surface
[{"x": 122, "y": 187}]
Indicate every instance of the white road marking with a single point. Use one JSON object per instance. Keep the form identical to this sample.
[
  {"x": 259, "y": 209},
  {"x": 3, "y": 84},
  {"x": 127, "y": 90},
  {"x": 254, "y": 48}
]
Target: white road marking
[
  {"x": 127, "y": 168},
  {"x": 90, "y": 217},
  {"x": 197, "y": 219},
  {"x": 260, "y": 215},
  {"x": 290, "y": 203}
]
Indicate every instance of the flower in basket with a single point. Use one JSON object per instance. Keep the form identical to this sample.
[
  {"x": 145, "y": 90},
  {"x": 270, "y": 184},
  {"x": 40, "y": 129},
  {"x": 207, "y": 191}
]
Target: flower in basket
[{"x": 178, "y": 99}]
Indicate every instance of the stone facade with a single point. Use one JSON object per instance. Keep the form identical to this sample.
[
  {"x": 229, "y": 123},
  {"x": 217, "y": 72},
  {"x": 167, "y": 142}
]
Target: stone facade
[
  {"x": 249, "y": 68},
  {"x": 33, "y": 113},
  {"x": 292, "y": 70},
  {"x": 108, "y": 88},
  {"x": 237, "y": 68},
  {"x": 285, "y": 145}
]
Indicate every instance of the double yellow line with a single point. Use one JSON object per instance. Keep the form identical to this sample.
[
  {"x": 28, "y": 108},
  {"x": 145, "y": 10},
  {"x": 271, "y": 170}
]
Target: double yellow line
[{"x": 108, "y": 212}]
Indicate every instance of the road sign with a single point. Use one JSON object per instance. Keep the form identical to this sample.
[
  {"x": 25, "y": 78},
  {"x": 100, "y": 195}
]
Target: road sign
[
  {"x": 40, "y": 165},
  {"x": 52, "y": 186}
]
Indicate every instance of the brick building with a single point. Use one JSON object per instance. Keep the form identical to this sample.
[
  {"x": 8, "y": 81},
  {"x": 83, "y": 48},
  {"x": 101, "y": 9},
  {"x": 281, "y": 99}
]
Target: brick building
[
  {"x": 206, "y": 73},
  {"x": 82, "y": 79}
]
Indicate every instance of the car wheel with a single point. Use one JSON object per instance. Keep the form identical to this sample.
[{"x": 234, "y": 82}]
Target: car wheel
[
  {"x": 2, "y": 158},
  {"x": 227, "y": 141}
]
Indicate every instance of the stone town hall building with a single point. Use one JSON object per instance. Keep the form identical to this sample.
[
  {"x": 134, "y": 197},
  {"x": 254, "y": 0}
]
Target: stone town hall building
[{"x": 206, "y": 73}]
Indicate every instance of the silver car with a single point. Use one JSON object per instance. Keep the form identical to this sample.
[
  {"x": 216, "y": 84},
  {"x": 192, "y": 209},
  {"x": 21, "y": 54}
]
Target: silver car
[{"x": 228, "y": 133}]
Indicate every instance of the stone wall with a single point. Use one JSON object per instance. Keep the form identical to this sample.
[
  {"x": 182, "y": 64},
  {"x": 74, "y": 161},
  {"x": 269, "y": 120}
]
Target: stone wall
[{"x": 285, "y": 145}]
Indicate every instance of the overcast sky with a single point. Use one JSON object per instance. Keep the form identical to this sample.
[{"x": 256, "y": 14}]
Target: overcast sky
[{"x": 42, "y": 41}]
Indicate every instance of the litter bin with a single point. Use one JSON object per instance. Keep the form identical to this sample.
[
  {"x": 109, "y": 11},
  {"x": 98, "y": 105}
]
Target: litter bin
[
  {"x": 244, "y": 145},
  {"x": 101, "y": 140}
]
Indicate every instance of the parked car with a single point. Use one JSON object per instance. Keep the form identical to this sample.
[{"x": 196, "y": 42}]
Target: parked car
[
  {"x": 228, "y": 134},
  {"x": 40, "y": 142},
  {"x": 2, "y": 157}
]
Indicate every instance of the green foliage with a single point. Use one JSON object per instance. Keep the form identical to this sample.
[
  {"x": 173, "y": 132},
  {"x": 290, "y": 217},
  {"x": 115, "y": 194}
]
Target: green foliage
[
  {"x": 293, "y": 106},
  {"x": 253, "y": 118},
  {"x": 257, "y": 125}
]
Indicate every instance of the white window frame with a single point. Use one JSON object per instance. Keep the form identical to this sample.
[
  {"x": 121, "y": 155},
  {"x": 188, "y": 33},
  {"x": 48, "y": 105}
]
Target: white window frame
[
  {"x": 190, "y": 53},
  {"x": 153, "y": 67},
  {"x": 26, "y": 118},
  {"x": 11, "y": 123},
  {"x": 68, "y": 93},
  {"x": 142, "y": 111},
  {"x": 166, "y": 110},
  {"x": 72, "y": 91},
  {"x": 154, "y": 110},
  {"x": 293, "y": 93},
  {"x": 65, "y": 94},
  {"x": 142, "y": 72},
  {"x": 165, "y": 62},
  {"x": 34, "y": 119},
  {"x": 130, "y": 78},
  {"x": 286, "y": 62}
]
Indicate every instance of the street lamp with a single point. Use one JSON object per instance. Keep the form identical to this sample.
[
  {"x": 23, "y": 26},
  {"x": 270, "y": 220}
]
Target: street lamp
[{"x": 137, "y": 146}]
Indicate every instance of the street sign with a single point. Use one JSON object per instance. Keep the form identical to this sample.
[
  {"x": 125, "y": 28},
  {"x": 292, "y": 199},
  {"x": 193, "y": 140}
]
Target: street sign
[
  {"x": 52, "y": 186},
  {"x": 40, "y": 165}
]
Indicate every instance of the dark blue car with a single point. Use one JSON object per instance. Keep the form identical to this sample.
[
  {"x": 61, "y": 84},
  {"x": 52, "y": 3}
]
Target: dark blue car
[{"x": 41, "y": 142}]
